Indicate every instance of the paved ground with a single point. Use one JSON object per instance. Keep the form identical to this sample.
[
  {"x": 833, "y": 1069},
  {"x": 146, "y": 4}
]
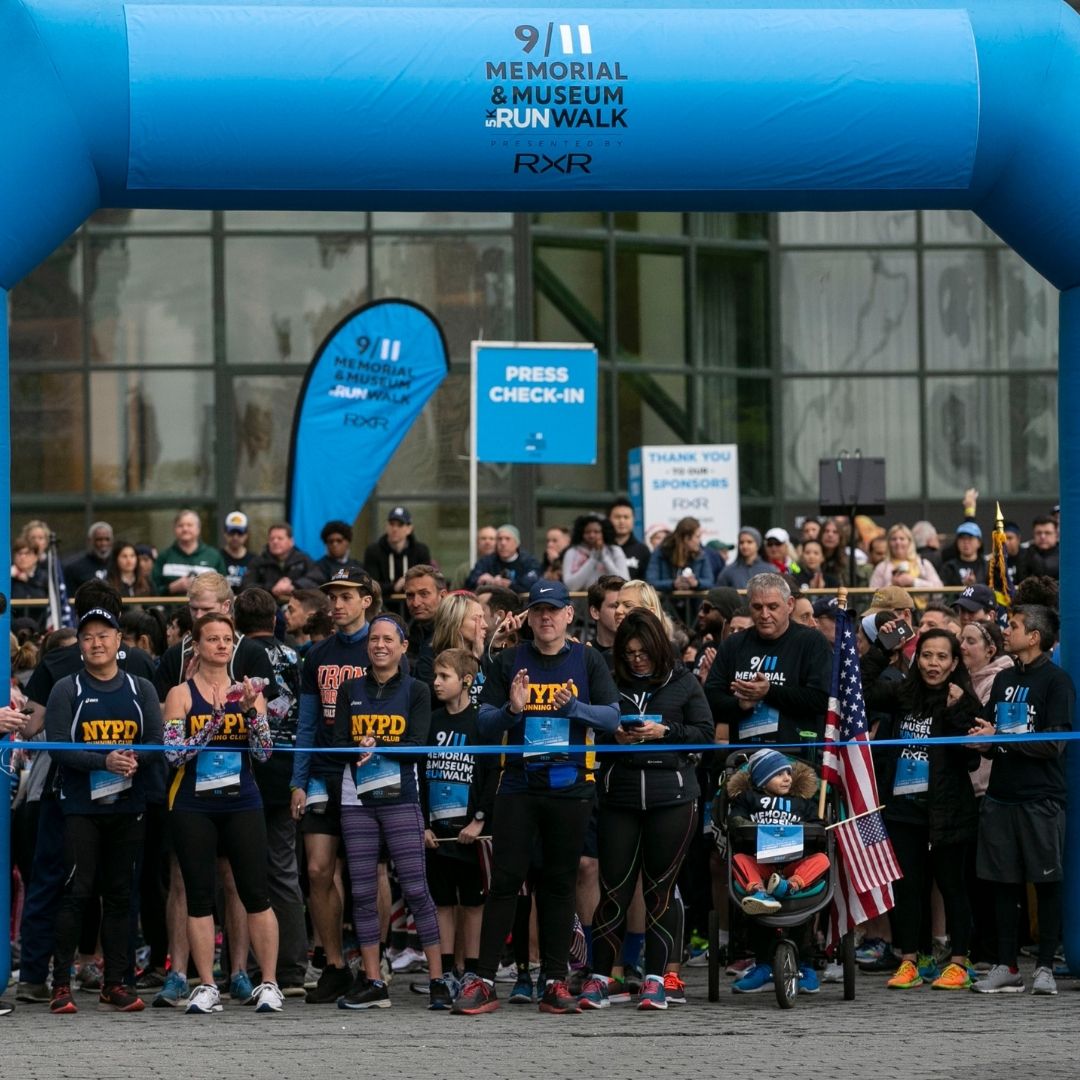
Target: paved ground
[{"x": 914, "y": 1034}]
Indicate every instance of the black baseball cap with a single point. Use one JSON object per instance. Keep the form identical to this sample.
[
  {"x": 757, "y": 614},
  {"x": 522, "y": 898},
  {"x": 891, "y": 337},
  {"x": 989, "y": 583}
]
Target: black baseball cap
[
  {"x": 976, "y": 598},
  {"x": 351, "y": 577},
  {"x": 99, "y": 614},
  {"x": 399, "y": 513}
]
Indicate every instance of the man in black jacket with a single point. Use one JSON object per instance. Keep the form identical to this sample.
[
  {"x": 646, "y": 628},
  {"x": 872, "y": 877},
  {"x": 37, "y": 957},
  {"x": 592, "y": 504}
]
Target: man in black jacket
[
  {"x": 282, "y": 566},
  {"x": 621, "y": 515},
  {"x": 389, "y": 558},
  {"x": 1042, "y": 557}
]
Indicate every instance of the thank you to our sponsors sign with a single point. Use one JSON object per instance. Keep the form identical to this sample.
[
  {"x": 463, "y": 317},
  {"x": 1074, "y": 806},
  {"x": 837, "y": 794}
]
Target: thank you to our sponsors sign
[{"x": 667, "y": 483}]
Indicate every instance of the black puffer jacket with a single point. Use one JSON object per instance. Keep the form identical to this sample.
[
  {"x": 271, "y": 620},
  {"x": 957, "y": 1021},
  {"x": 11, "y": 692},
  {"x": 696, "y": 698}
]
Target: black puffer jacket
[
  {"x": 660, "y": 775},
  {"x": 948, "y": 806}
]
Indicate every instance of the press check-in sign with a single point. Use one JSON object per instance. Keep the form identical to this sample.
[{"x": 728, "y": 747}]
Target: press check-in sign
[{"x": 535, "y": 402}]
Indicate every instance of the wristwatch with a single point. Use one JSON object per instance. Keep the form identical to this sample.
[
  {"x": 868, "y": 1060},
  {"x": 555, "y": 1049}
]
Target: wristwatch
[
  {"x": 250, "y": 714},
  {"x": 479, "y": 815}
]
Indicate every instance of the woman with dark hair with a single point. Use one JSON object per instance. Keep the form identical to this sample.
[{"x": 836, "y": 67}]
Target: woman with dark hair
[
  {"x": 680, "y": 563},
  {"x": 592, "y": 553},
  {"x": 929, "y": 802},
  {"x": 124, "y": 572},
  {"x": 647, "y": 805},
  {"x": 835, "y": 535}
]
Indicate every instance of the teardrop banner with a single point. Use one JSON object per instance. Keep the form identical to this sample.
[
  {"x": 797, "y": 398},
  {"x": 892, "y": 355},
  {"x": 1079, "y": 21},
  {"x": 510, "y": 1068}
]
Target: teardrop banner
[{"x": 368, "y": 382}]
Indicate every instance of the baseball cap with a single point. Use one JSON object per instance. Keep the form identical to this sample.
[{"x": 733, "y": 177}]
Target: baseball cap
[
  {"x": 725, "y": 600},
  {"x": 399, "y": 513},
  {"x": 350, "y": 576},
  {"x": 98, "y": 614},
  {"x": 826, "y": 609},
  {"x": 890, "y": 598},
  {"x": 1012, "y": 527},
  {"x": 969, "y": 528},
  {"x": 237, "y": 521},
  {"x": 976, "y": 598},
  {"x": 552, "y": 593},
  {"x": 779, "y": 535}
]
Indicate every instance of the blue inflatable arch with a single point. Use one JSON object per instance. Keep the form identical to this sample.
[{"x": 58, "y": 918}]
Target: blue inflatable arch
[{"x": 614, "y": 104}]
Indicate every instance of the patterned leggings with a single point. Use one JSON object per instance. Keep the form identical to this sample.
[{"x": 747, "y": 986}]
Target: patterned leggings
[{"x": 400, "y": 827}]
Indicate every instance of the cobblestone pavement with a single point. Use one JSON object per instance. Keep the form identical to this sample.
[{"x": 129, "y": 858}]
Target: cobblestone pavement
[{"x": 920, "y": 1034}]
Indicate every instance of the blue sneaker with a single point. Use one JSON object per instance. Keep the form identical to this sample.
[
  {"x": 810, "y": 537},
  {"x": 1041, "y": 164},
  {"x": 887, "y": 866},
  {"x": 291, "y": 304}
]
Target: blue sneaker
[
  {"x": 652, "y": 995},
  {"x": 808, "y": 980},
  {"x": 240, "y": 988},
  {"x": 522, "y": 994},
  {"x": 759, "y": 903},
  {"x": 928, "y": 967},
  {"x": 758, "y": 978},
  {"x": 173, "y": 994},
  {"x": 870, "y": 950},
  {"x": 779, "y": 887}
]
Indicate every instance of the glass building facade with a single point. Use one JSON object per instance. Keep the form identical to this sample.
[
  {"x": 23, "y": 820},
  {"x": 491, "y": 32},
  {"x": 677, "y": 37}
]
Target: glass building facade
[{"x": 157, "y": 355}]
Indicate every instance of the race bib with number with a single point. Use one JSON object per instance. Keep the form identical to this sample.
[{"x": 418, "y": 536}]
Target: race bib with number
[
  {"x": 105, "y": 786},
  {"x": 379, "y": 777},
  {"x": 779, "y": 843},
  {"x": 762, "y": 720},
  {"x": 448, "y": 802},
  {"x": 912, "y": 776},
  {"x": 1011, "y": 717},
  {"x": 546, "y": 731},
  {"x": 317, "y": 796},
  {"x": 217, "y": 772}
]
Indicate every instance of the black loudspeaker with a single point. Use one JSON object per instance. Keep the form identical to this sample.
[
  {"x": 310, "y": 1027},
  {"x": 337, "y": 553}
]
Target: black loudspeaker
[{"x": 849, "y": 484}]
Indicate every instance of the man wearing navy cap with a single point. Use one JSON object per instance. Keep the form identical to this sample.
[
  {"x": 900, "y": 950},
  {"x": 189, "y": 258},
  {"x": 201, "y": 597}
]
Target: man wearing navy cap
[
  {"x": 388, "y": 559},
  {"x": 549, "y": 692},
  {"x": 975, "y": 604}
]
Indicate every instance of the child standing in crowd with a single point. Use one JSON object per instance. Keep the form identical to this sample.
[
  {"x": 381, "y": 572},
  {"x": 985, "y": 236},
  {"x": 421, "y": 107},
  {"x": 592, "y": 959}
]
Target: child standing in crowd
[{"x": 457, "y": 792}]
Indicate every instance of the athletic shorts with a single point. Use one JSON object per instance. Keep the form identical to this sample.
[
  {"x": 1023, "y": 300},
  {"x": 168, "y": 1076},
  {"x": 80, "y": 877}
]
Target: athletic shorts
[
  {"x": 326, "y": 820},
  {"x": 1021, "y": 842},
  {"x": 453, "y": 880}
]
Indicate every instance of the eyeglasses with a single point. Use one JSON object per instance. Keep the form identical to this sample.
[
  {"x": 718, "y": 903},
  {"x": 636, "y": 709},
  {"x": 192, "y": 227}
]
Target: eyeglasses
[{"x": 637, "y": 654}]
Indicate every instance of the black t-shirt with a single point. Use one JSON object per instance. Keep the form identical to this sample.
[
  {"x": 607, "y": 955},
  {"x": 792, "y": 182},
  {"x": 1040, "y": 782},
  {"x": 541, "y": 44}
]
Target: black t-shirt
[
  {"x": 637, "y": 557},
  {"x": 282, "y": 713},
  {"x": 67, "y": 660}
]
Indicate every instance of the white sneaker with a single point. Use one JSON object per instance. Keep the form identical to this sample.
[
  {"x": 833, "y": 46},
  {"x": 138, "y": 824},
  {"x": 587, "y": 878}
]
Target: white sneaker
[
  {"x": 204, "y": 999},
  {"x": 833, "y": 973},
  {"x": 407, "y": 961},
  {"x": 506, "y": 973},
  {"x": 268, "y": 997}
]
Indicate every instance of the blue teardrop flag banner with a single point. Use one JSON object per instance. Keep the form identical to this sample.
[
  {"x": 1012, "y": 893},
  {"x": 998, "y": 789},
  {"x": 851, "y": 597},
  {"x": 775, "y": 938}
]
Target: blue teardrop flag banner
[{"x": 367, "y": 384}]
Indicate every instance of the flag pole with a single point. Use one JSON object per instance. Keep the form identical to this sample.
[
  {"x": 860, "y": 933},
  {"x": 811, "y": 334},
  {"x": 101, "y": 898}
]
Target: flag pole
[
  {"x": 865, "y": 813},
  {"x": 841, "y": 603}
]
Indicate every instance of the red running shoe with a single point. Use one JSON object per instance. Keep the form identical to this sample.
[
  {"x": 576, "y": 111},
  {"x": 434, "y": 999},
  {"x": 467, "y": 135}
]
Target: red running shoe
[{"x": 558, "y": 999}]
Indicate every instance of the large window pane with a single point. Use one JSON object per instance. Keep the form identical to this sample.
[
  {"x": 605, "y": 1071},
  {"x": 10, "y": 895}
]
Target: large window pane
[
  {"x": 877, "y": 416},
  {"x": 569, "y": 294},
  {"x": 440, "y": 219},
  {"x": 862, "y": 227},
  {"x": 565, "y": 219},
  {"x": 467, "y": 283},
  {"x": 47, "y": 432},
  {"x": 151, "y": 220},
  {"x": 650, "y": 307},
  {"x": 730, "y": 226},
  {"x": 955, "y": 227},
  {"x": 987, "y": 310},
  {"x": 284, "y": 294},
  {"x": 152, "y": 433},
  {"x": 45, "y": 312},
  {"x": 296, "y": 220},
  {"x": 997, "y": 433},
  {"x": 656, "y": 223},
  {"x": 848, "y": 311},
  {"x": 732, "y": 310},
  {"x": 263, "y": 408},
  {"x": 653, "y": 411},
  {"x": 740, "y": 411},
  {"x": 149, "y": 300}
]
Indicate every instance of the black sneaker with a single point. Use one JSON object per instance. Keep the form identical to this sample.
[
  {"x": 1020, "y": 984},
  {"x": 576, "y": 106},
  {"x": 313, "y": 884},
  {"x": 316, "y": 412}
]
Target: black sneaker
[
  {"x": 477, "y": 996},
  {"x": 371, "y": 994},
  {"x": 440, "y": 997},
  {"x": 120, "y": 999},
  {"x": 558, "y": 999},
  {"x": 886, "y": 964},
  {"x": 333, "y": 982}
]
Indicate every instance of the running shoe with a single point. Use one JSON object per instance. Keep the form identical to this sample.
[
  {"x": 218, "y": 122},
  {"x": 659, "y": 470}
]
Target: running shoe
[
  {"x": 697, "y": 957},
  {"x": 999, "y": 980},
  {"x": 619, "y": 992},
  {"x": 441, "y": 993},
  {"x": 173, "y": 994},
  {"x": 674, "y": 989},
  {"x": 120, "y": 999},
  {"x": 506, "y": 973},
  {"x": 759, "y": 903},
  {"x": 834, "y": 972},
  {"x": 954, "y": 977},
  {"x": 6, "y": 1007},
  {"x": 240, "y": 988},
  {"x": 33, "y": 993},
  {"x": 907, "y": 977},
  {"x": 152, "y": 978},
  {"x": 311, "y": 976},
  {"x": 739, "y": 967},
  {"x": 871, "y": 949},
  {"x": 204, "y": 1000},
  {"x": 1043, "y": 982},
  {"x": 886, "y": 964},
  {"x": 558, "y": 999},
  {"x": 594, "y": 994},
  {"x": 90, "y": 977},
  {"x": 292, "y": 989},
  {"x": 477, "y": 996},
  {"x": 333, "y": 982},
  {"x": 408, "y": 961},
  {"x": 633, "y": 977},
  {"x": 62, "y": 1001},
  {"x": 268, "y": 997},
  {"x": 779, "y": 887},
  {"x": 928, "y": 967},
  {"x": 522, "y": 993},
  {"x": 652, "y": 994},
  {"x": 808, "y": 980},
  {"x": 758, "y": 978},
  {"x": 369, "y": 994}
]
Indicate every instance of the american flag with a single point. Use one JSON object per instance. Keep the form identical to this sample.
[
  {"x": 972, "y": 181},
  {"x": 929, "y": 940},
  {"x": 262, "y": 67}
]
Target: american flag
[
  {"x": 868, "y": 864},
  {"x": 59, "y": 611}
]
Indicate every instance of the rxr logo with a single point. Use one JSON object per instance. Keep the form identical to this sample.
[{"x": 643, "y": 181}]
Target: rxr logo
[
  {"x": 763, "y": 663},
  {"x": 541, "y": 163}
]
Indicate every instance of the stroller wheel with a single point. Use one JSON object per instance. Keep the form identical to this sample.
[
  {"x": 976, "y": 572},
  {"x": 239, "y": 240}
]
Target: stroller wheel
[{"x": 786, "y": 973}]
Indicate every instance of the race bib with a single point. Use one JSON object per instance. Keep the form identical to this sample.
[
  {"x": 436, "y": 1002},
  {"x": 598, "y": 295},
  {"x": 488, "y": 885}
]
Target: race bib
[
  {"x": 779, "y": 843},
  {"x": 763, "y": 720},
  {"x": 317, "y": 796},
  {"x": 379, "y": 777},
  {"x": 105, "y": 786},
  {"x": 544, "y": 730},
  {"x": 912, "y": 776},
  {"x": 217, "y": 772},
  {"x": 448, "y": 802},
  {"x": 1011, "y": 717}
]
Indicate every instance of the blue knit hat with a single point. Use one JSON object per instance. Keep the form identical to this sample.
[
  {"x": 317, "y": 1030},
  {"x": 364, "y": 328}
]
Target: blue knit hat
[{"x": 765, "y": 764}]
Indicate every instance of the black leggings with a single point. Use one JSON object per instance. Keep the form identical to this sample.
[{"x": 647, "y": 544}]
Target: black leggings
[
  {"x": 652, "y": 843},
  {"x": 1007, "y": 899},
  {"x": 101, "y": 850},
  {"x": 240, "y": 836},
  {"x": 921, "y": 864},
  {"x": 559, "y": 822}
]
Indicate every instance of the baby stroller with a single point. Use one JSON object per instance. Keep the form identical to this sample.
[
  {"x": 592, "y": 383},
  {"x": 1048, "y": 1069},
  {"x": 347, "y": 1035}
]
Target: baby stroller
[{"x": 795, "y": 912}]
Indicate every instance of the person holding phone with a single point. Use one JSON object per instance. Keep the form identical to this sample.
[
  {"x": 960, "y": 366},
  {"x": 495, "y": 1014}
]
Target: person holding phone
[
  {"x": 929, "y": 801},
  {"x": 647, "y": 803}
]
